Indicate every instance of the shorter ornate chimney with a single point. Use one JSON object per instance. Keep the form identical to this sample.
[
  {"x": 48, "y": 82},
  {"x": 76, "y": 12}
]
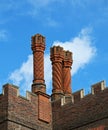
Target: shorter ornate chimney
[
  {"x": 61, "y": 72},
  {"x": 38, "y": 47},
  {"x": 67, "y": 63},
  {"x": 56, "y": 56}
]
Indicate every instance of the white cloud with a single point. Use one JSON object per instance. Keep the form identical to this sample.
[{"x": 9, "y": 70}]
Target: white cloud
[
  {"x": 83, "y": 52},
  {"x": 23, "y": 76},
  {"x": 82, "y": 49}
]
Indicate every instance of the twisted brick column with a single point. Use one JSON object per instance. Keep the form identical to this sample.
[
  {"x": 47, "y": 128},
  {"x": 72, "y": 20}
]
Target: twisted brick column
[
  {"x": 67, "y": 63},
  {"x": 56, "y": 57},
  {"x": 38, "y": 47},
  {"x": 57, "y": 76}
]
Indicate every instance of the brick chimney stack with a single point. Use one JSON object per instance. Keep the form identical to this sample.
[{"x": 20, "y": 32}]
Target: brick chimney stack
[
  {"x": 67, "y": 63},
  {"x": 61, "y": 73},
  {"x": 38, "y": 47},
  {"x": 56, "y": 56}
]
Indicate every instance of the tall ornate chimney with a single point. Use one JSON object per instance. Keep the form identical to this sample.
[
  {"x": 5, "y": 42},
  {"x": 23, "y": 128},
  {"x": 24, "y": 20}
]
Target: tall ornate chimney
[
  {"x": 61, "y": 73},
  {"x": 38, "y": 47},
  {"x": 56, "y": 56}
]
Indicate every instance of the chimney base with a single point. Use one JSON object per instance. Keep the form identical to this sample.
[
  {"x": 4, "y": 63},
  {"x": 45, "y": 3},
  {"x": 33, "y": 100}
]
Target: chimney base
[
  {"x": 38, "y": 87},
  {"x": 68, "y": 98},
  {"x": 56, "y": 96}
]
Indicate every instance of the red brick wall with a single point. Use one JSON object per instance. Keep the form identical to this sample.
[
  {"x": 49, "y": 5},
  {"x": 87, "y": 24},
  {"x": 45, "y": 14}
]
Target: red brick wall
[
  {"x": 23, "y": 112},
  {"x": 44, "y": 108},
  {"x": 98, "y": 128},
  {"x": 89, "y": 112},
  {"x": 3, "y": 112},
  {"x": 3, "y": 125}
]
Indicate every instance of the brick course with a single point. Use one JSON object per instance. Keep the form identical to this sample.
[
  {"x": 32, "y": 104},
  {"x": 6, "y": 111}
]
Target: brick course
[
  {"x": 23, "y": 113},
  {"x": 82, "y": 114}
]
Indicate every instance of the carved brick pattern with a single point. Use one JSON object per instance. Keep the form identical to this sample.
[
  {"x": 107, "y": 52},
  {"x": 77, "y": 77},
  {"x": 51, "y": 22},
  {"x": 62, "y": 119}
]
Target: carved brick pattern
[
  {"x": 67, "y": 80},
  {"x": 38, "y": 66},
  {"x": 57, "y": 76}
]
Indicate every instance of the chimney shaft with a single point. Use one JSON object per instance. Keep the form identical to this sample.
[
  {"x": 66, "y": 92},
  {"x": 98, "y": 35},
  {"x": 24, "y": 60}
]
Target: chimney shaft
[
  {"x": 61, "y": 72},
  {"x": 67, "y": 63},
  {"x": 56, "y": 57},
  {"x": 38, "y": 47}
]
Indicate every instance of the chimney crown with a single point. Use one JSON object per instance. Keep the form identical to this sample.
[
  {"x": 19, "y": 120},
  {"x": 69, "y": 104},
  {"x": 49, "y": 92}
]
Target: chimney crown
[{"x": 37, "y": 39}]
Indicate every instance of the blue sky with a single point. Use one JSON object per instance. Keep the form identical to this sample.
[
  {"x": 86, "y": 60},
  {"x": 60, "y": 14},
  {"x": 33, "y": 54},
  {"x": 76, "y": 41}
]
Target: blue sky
[{"x": 80, "y": 26}]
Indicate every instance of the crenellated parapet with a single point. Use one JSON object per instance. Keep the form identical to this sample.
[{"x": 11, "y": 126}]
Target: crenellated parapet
[
  {"x": 98, "y": 87},
  {"x": 30, "y": 112},
  {"x": 79, "y": 95},
  {"x": 85, "y": 112}
]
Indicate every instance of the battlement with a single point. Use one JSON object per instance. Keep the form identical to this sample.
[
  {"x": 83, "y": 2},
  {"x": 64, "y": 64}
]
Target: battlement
[
  {"x": 32, "y": 109},
  {"x": 79, "y": 95},
  {"x": 95, "y": 89},
  {"x": 84, "y": 111},
  {"x": 98, "y": 87}
]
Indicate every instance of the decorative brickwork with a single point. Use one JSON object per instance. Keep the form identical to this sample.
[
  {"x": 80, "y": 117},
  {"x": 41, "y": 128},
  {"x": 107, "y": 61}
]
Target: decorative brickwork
[
  {"x": 61, "y": 72},
  {"x": 67, "y": 63},
  {"x": 57, "y": 55},
  {"x": 63, "y": 110},
  {"x": 38, "y": 47},
  {"x": 44, "y": 108}
]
